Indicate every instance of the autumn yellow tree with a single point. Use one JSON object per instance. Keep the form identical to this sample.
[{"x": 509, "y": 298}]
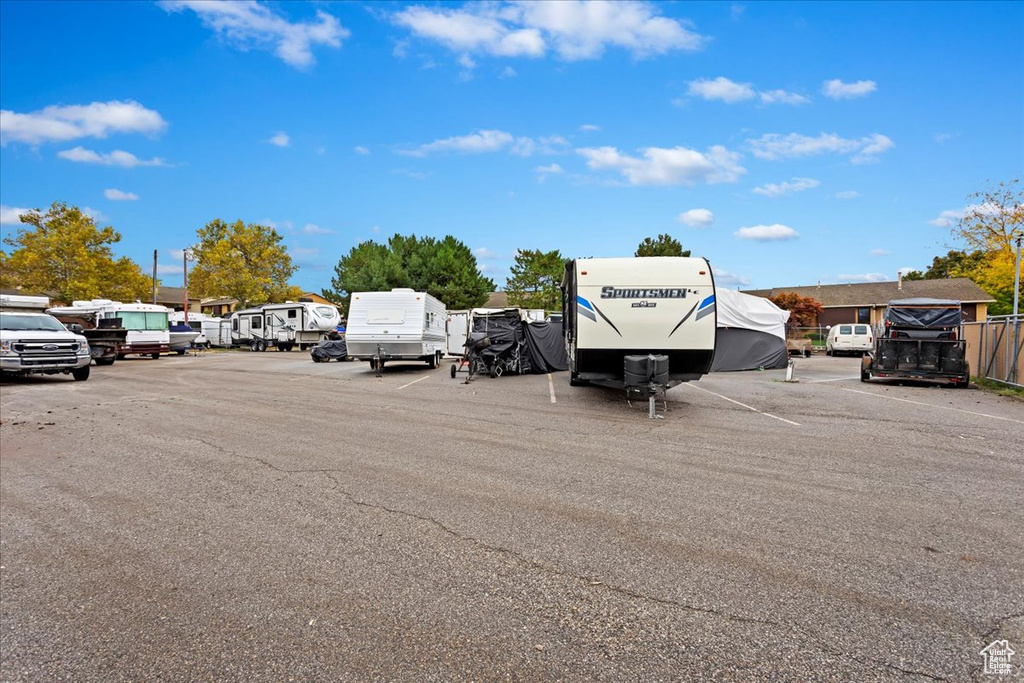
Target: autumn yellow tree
[
  {"x": 245, "y": 262},
  {"x": 62, "y": 253},
  {"x": 990, "y": 225}
]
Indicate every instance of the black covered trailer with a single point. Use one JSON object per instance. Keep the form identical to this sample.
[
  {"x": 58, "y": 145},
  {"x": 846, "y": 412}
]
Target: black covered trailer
[{"x": 922, "y": 340}]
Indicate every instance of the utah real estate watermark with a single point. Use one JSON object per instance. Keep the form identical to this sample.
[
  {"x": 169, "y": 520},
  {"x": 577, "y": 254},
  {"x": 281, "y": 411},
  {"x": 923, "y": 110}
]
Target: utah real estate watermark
[{"x": 997, "y": 658}]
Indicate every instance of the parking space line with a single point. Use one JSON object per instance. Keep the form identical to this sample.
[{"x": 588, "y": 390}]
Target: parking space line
[
  {"x": 775, "y": 417},
  {"x": 414, "y": 382},
  {"x": 551, "y": 388},
  {"x": 834, "y": 379},
  {"x": 930, "y": 405}
]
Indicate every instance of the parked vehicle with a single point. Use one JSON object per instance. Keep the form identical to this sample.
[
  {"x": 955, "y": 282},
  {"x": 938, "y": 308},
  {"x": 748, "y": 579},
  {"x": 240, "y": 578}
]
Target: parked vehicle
[
  {"x": 922, "y": 340},
  {"x": 146, "y": 324},
  {"x": 852, "y": 339},
  {"x": 400, "y": 325},
  {"x": 38, "y": 343},
  {"x": 195, "y": 321},
  {"x": 643, "y": 324},
  {"x": 216, "y": 332},
  {"x": 457, "y": 331},
  {"x": 283, "y": 326}
]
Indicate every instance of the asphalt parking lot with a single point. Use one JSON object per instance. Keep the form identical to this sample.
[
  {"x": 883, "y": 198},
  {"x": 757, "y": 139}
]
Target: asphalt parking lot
[{"x": 259, "y": 517}]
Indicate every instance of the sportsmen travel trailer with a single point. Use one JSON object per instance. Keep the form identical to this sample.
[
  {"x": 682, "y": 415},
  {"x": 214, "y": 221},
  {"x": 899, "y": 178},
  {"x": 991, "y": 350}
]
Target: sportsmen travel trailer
[
  {"x": 643, "y": 324},
  {"x": 284, "y": 326},
  {"x": 398, "y": 325}
]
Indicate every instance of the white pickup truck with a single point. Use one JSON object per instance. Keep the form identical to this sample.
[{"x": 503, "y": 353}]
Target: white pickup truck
[{"x": 32, "y": 343}]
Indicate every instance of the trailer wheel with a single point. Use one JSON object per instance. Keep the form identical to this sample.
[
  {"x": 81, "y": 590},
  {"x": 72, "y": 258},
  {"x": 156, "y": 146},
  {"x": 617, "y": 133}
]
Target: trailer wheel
[
  {"x": 453, "y": 371},
  {"x": 155, "y": 356},
  {"x": 104, "y": 360},
  {"x": 261, "y": 346},
  {"x": 121, "y": 356},
  {"x": 254, "y": 345},
  {"x": 865, "y": 369},
  {"x": 967, "y": 376},
  {"x": 181, "y": 352},
  {"x": 80, "y": 374}
]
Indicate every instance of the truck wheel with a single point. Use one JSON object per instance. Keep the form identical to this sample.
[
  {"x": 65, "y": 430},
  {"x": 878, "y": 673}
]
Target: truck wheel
[
  {"x": 967, "y": 376},
  {"x": 80, "y": 374}
]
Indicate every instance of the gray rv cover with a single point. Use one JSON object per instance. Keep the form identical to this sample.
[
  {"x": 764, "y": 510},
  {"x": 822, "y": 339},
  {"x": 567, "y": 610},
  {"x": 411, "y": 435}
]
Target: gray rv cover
[
  {"x": 751, "y": 333},
  {"x": 547, "y": 347},
  {"x": 923, "y": 313}
]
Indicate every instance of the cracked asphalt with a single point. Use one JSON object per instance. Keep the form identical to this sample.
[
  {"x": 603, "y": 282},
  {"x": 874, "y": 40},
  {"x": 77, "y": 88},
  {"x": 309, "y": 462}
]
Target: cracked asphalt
[{"x": 259, "y": 517}]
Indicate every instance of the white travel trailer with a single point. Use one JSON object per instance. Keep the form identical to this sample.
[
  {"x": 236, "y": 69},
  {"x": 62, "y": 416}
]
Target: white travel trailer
[
  {"x": 284, "y": 326},
  {"x": 398, "y": 325},
  {"x": 639, "y": 323},
  {"x": 216, "y": 331},
  {"x": 147, "y": 324},
  {"x": 457, "y": 331}
]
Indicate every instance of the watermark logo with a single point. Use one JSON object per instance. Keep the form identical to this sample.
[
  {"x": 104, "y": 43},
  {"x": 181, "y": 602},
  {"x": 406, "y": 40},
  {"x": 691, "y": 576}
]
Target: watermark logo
[{"x": 997, "y": 658}]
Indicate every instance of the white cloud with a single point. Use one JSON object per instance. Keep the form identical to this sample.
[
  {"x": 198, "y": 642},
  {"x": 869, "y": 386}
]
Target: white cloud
[
  {"x": 280, "y": 139},
  {"x": 943, "y": 137},
  {"x": 590, "y": 127},
  {"x": 905, "y": 269},
  {"x": 484, "y": 141},
  {"x": 94, "y": 214},
  {"x": 303, "y": 251},
  {"x": 415, "y": 175},
  {"x": 773, "y": 146},
  {"x": 724, "y": 277},
  {"x": 164, "y": 269},
  {"x": 767, "y": 233},
  {"x": 116, "y": 195},
  {"x": 249, "y": 24},
  {"x": 9, "y": 215},
  {"x": 312, "y": 229},
  {"x": 663, "y": 166},
  {"x": 62, "y": 123},
  {"x": 847, "y": 194},
  {"x": 508, "y": 72},
  {"x": 880, "y": 252},
  {"x": 697, "y": 218},
  {"x": 474, "y": 143},
  {"x": 115, "y": 158},
  {"x": 736, "y": 11},
  {"x": 485, "y": 253},
  {"x": 865, "y": 277},
  {"x": 359, "y": 149},
  {"x": 544, "y": 171},
  {"x": 375, "y": 229},
  {"x": 949, "y": 217},
  {"x": 782, "y": 97},
  {"x": 838, "y": 90},
  {"x": 722, "y": 89},
  {"x": 574, "y": 29},
  {"x": 466, "y": 62},
  {"x": 784, "y": 188}
]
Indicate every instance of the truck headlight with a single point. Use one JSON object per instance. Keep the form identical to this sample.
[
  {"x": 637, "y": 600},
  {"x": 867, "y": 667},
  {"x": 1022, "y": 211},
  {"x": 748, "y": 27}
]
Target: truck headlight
[
  {"x": 83, "y": 349},
  {"x": 5, "y": 348}
]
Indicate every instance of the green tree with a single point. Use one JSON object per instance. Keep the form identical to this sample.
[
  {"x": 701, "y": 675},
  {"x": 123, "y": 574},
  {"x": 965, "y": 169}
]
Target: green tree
[
  {"x": 62, "y": 253},
  {"x": 664, "y": 245},
  {"x": 245, "y": 262},
  {"x": 444, "y": 268},
  {"x": 535, "y": 279}
]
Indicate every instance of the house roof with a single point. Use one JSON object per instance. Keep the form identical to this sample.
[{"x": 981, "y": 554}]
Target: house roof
[
  {"x": 221, "y": 301},
  {"x": 496, "y": 300},
  {"x": 881, "y": 293},
  {"x": 172, "y": 294}
]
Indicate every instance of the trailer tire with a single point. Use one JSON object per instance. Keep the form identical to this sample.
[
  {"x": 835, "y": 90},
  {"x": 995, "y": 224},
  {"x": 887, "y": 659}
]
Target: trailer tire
[
  {"x": 104, "y": 360},
  {"x": 865, "y": 369},
  {"x": 155, "y": 356},
  {"x": 454, "y": 370},
  {"x": 434, "y": 361},
  {"x": 967, "y": 376},
  {"x": 121, "y": 356},
  {"x": 254, "y": 346},
  {"x": 261, "y": 346},
  {"x": 181, "y": 352}
]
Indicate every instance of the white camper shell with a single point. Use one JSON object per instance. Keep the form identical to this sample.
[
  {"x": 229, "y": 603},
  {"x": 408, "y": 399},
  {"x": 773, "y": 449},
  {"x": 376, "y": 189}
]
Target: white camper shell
[
  {"x": 283, "y": 326},
  {"x": 614, "y": 308},
  {"x": 398, "y": 325},
  {"x": 147, "y": 324}
]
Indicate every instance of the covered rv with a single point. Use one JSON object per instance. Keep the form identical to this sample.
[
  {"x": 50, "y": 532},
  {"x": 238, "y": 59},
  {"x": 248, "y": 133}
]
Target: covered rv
[
  {"x": 751, "y": 333},
  {"x": 398, "y": 325},
  {"x": 655, "y": 314}
]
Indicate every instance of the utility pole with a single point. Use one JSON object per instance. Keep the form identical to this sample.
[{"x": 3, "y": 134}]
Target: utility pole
[
  {"x": 184, "y": 282},
  {"x": 154, "y": 276},
  {"x": 1016, "y": 311}
]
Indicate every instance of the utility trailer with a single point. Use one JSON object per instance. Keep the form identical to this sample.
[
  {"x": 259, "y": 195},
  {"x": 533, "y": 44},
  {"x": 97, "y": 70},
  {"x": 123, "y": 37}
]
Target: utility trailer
[
  {"x": 400, "y": 325},
  {"x": 639, "y": 324},
  {"x": 922, "y": 340}
]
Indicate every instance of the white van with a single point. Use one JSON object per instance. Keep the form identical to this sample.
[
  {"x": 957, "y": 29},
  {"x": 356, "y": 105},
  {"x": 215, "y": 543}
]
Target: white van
[{"x": 854, "y": 339}]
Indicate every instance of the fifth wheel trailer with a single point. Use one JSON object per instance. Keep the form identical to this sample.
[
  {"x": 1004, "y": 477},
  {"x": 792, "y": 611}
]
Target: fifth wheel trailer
[
  {"x": 398, "y": 325},
  {"x": 284, "y": 326},
  {"x": 638, "y": 323}
]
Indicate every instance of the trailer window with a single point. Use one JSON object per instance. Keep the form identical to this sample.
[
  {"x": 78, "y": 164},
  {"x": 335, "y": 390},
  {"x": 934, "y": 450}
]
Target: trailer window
[
  {"x": 326, "y": 311},
  {"x": 385, "y": 317},
  {"x": 291, "y": 312},
  {"x": 234, "y": 324},
  {"x": 256, "y": 323}
]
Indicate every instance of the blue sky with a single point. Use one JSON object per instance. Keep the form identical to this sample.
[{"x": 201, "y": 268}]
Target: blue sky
[{"x": 789, "y": 143}]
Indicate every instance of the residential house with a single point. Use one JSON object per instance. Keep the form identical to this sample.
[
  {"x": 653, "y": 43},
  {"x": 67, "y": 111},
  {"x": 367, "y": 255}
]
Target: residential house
[
  {"x": 174, "y": 298},
  {"x": 219, "y": 306},
  {"x": 866, "y": 302}
]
